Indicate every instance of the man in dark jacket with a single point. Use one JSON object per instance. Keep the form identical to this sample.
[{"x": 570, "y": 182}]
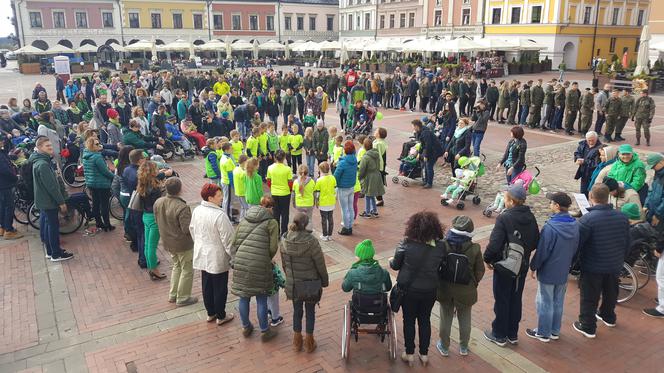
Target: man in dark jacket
[
  {"x": 8, "y": 179},
  {"x": 603, "y": 246},
  {"x": 557, "y": 245},
  {"x": 508, "y": 290},
  {"x": 655, "y": 214},
  {"x": 492, "y": 98},
  {"x": 431, "y": 150},
  {"x": 586, "y": 157},
  {"x": 481, "y": 119}
]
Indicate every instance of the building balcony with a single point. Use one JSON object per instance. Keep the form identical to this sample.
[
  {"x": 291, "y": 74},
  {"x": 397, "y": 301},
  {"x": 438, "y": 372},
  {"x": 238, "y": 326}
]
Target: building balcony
[{"x": 452, "y": 30}]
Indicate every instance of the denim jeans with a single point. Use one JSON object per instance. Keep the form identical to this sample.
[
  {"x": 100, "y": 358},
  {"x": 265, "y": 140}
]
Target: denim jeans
[
  {"x": 477, "y": 141},
  {"x": 396, "y": 101},
  {"x": 311, "y": 163},
  {"x": 261, "y": 312},
  {"x": 7, "y": 209},
  {"x": 227, "y": 203},
  {"x": 310, "y": 311},
  {"x": 370, "y": 205},
  {"x": 515, "y": 172},
  {"x": 346, "y": 202},
  {"x": 523, "y": 114},
  {"x": 428, "y": 172},
  {"x": 50, "y": 232},
  {"x": 659, "y": 277},
  {"x": 550, "y": 300},
  {"x": 273, "y": 305}
]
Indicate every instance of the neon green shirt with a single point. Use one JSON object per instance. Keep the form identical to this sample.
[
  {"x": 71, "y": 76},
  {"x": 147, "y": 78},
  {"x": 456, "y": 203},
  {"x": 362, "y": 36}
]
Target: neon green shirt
[
  {"x": 279, "y": 174},
  {"x": 360, "y": 153},
  {"x": 330, "y": 145},
  {"x": 336, "y": 153},
  {"x": 238, "y": 181},
  {"x": 296, "y": 142},
  {"x": 252, "y": 147},
  {"x": 238, "y": 148},
  {"x": 284, "y": 140},
  {"x": 305, "y": 199},
  {"x": 327, "y": 186},
  {"x": 272, "y": 142},
  {"x": 262, "y": 143},
  {"x": 226, "y": 165}
]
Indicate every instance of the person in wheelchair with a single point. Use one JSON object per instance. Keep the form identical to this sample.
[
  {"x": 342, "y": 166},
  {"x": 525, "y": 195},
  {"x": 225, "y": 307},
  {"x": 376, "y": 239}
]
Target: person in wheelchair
[
  {"x": 366, "y": 277},
  {"x": 642, "y": 234},
  {"x": 176, "y": 135},
  {"x": 135, "y": 138}
]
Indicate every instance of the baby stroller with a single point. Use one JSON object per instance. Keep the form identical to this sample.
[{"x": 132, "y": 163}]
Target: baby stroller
[
  {"x": 411, "y": 165},
  {"x": 525, "y": 178},
  {"x": 365, "y": 125},
  {"x": 465, "y": 182}
]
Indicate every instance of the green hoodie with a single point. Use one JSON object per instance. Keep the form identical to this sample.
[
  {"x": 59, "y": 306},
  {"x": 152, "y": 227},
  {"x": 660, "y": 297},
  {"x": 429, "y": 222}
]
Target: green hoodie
[
  {"x": 44, "y": 179},
  {"x": 633, "y": 174},
  {"x": 97, "y": 174},
  {"x": 367, "y": 279}
]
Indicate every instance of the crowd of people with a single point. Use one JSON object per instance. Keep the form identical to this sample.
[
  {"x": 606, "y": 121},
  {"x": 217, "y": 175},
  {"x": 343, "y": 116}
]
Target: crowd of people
[{"x": 270, "y": 160}]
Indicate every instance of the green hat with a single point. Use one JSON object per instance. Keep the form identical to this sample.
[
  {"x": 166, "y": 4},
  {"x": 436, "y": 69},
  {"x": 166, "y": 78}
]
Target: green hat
[
  {"x": 365, "y": 250},
  {"x": 463, "y": 223},
  {"x": 87, "y": 116},
  {"x": 625, "y": 148},
  {"x": 632, "y": 211},
  {"x": 653, "y": 159}
]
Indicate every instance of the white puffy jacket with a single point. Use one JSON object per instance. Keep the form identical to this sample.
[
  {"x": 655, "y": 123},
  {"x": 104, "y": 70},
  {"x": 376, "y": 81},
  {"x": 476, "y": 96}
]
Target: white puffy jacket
[{"x": 212, "y": 232}]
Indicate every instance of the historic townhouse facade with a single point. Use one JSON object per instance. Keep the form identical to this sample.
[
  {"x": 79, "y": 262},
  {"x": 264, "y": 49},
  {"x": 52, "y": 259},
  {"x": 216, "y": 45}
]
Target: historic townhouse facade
[
  {"x": 357, "y": 19},
  {"x": 454, "y": 18}
]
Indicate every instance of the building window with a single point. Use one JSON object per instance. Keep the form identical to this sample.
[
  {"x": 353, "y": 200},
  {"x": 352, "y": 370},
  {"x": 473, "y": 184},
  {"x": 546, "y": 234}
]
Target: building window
[
  {"x": 536, "y": 14},
  {"x": 391, "y": 20},
  {"x": 177, "y": 21},
  {"x": 402, "y": 20},
  {"x": 438, "y": 18},
  {"x": 269, "y": 23},
  {"x": 107, "y": 19},
  {"x": 639, "y": 18},
  {"x": 612, "y": 45},
  {"x": 155, "y": 20},
  {"x": 58, "y": 19},
  {"x": 198, "y": 21},
  {"x": 382, "y": 21},
  {"x": 367, "y": 21},
  {"x": 495, "y": 16},
  {"x": 637, "y": 45},
  {"x": 35, "y": 19},
  {"x": 237, "y": 22},
  {"x": 359, "y": 22},
  {"x": 300, "y": 23},
  {"x": 81, "y": 20},
  {"x": 465, "y": 16},
  {"x": 312, "y": 23},
  {"x": 411, "y": 19},
  {"x": 330, "y": 23},
  {"x": 350, "y": 22},
  {"x": 614, "y": 16},
  {"x": 287, "y": 23},
  {"x": 253, "y": 22},
  {"x": 516, "y": 15},
  {"x": 218, "y": 21},
  {"x": 587, "y": 13}
]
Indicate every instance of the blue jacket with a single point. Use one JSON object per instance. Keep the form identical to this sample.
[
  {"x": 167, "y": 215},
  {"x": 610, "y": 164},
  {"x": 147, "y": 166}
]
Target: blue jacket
[
  {"x": 129, "y": 179},
  {"x": 655, "y": 201},
  {"x": 559, "y": 240},
  {"x": 174, "y": 132},
  {"x": 346, "y": 171},
  {"x": 97, "y": 174},
  {"x": 604, "y": 240}
]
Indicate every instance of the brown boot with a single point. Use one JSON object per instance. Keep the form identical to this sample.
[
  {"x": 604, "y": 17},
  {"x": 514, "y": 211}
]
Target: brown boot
[
  {"x": 297, "y": 342},
  {"x": 309, "y": 343},
  {"x": 12, "y": 235},
  {"x": 2, "y": 232}
]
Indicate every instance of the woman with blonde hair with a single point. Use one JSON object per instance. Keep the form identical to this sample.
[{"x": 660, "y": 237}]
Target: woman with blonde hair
[
  {"x": 138, "y": 114},
  {"x": 98, "y": 179},
  {"x": 142, "y": 99},
  {"x": 149, "y": 189}
]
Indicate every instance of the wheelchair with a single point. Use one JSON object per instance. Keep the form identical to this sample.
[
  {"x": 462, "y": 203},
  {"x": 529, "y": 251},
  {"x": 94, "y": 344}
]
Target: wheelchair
[{"x": 369, "y": 309}]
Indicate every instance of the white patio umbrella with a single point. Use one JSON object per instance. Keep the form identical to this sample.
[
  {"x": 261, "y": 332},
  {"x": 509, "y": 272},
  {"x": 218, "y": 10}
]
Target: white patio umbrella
[
  {"x": 140, "y": 46},
  {"x": 642, "y": 58},
  {"x": 212, "y": 45},
  {"x": 271, "y": 45},
  {"x": 528, "y": 44},
  {"x": 178, "y": 45},
  {"x": 460, "y": 45},
  {"x": 357, "y": 45},
  {"x": 59, "y": 49},
  {"x": 29, "y": 50},
  {"x": 307, "y": 47},
  {"x": 117, "y": 47},
  {"x": 330, "y": 45},
  {"x": 242, "y": 45},
  {"x": 416, "y": 45},
  {"x": 87, "y": 48},
  {"x": 656, "y": 46},
  {"x": 494, "y": 44}
]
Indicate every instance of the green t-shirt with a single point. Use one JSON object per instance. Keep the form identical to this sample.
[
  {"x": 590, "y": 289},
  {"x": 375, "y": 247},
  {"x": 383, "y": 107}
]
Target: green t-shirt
[
  {"x": 337, "y": 152},
  {"x": 296, "y": 142},
  {"x": 238, "y": 181},
  {"x": 360, "y": 153},
  {"x": 284, "y": 140},
  {"x": 305, "y": 199},
  {"x": 330, "y": 145},
  {"x": 327, "y": 186},
  {"x": 272, "y": 142},
  {"x": 238, "y": 148},
  {"x": 226, "y": 165},
  {"x": 279, "y": 174},
  {"x": 253, "y": 189},
  {"x": 252, "y": 147}
]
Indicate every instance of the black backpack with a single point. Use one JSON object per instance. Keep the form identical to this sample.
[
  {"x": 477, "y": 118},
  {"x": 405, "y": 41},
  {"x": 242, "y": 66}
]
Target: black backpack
[
  {"x": 25, "y": 182},
  {"x": 455, "y": 267}
]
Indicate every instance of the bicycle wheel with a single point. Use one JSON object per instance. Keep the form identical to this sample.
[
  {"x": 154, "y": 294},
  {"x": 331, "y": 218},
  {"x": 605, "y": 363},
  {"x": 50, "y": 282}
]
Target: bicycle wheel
[
  {"x": 73, "y": 176},
  {"x": 642, "y": 270},
  {"x": 70, "y": 221},
  {"x": 627, "y": 284},
  {"x": 117, "y": 211},
  {"x": 33, "y": 216},
  {"x": 21, "y": 209}
]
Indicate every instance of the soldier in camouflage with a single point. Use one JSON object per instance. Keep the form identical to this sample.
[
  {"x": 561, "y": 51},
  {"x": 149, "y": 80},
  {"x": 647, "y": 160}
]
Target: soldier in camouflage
[
  {"x": 572, "y": 101},
  {"x": 587, "y": 105},
  {"x": 536, "y": 101},
  {"x": 612, "y": 111},
  {"x": 524, "y": 103},
  {"x": 644, "y": 111},
  {"x": 626, "y": 112},
  {"x": 548, "y": 105}
]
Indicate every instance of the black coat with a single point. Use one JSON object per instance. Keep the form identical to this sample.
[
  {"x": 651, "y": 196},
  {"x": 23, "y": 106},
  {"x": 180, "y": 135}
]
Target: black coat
[
  {"x": 431, "y": 148},
  {"x": 460, "y": 146},
  {"x": 519, "y": 156},
  {"x": 604, "y": 240},
  {"x": 418, "y": 263},
  {"x": 518, "y": 218},
  {"x": 590, "y": 158}
]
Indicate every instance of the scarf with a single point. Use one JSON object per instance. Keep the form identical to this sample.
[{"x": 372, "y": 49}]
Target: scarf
[
  {"x": 459, "y": 131},
  {"x": 303, "y": 182},
  {"x": 456, "y": 238},
  {"x": 75, "y": 110},
  {"x": 114, "y": 121}
]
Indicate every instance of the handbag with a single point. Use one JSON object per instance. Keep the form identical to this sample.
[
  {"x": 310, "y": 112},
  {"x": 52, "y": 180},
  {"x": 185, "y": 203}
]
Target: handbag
[
  {"x": 135, "y": 202},
  {"x": 399, "y": 291},
  {"x": 307, "y": 291}
]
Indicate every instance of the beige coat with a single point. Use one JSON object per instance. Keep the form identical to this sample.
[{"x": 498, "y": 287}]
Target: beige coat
[{"x": 173, "y": 217}]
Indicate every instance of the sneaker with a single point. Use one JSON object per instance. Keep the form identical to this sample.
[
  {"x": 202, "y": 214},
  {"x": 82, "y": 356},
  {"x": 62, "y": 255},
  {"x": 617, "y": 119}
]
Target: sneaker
[
  {"x": 488, "y": 334},
  {"x": 513, "y": 341},
  {"x": 268, "y": 335},
  {"x": 365, "y": 215},
  {"x": 532, "y": 333},
  {"x": 211, "y": 318},
  {"x": 229, "y": 317},
  {"x": 610, "y": 325},
  {"x": 579, "y": 328},
  {"x": 187, "y": 302},
  {"x": 443, "y": 351},
  {"x": 374, "y": 215},
  {"x": 555, "y": 337},
  {"x": 276, "y": 322},
  {"x": 463, "y": 351},
  {"x": 65, "y": 256},
  {"x": 652, "y": 312},
  {"x": 323, "y": 238},
  {"x": 246, "y": 332}
]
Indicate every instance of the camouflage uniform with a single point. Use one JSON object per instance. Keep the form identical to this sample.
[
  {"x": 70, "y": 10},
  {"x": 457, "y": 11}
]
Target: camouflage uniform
[
  {"x": 644, "y": 111},
  {"x": 548, "y": 106},
  {"x": 587, "y": 104},
  {"x": 612, "y": 110},
  {"x": 536, "y": 101},
  {"x": 571, "y": 109},
  {"x": 626, "y": 112}
]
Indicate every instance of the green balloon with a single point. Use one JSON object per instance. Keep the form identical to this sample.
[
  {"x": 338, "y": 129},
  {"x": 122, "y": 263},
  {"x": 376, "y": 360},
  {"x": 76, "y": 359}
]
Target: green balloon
[
  {"x": 379, "y": 116},
  {"x": 534, "y": 187}
]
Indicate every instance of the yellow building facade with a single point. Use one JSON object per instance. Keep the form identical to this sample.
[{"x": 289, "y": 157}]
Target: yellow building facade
[
  {"x": 164, "y": 21},
  {"x": 568, "y": 27}
]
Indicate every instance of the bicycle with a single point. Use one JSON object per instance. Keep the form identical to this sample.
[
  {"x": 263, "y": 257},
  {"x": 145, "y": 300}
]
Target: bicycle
[
  {"x": 70, "y": 222},
  {"x": 628, "y": 283}
]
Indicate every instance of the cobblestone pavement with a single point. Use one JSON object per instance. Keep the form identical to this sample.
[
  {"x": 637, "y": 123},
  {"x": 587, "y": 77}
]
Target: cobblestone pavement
[{"x": 100, "y": 313}]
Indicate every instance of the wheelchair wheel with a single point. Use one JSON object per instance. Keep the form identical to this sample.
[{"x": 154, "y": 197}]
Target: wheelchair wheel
[
  {"x": 21, "y": 210},
  {"x": 476, "y": 200},
  {"x": 489, "y": 213},
  {"x": 73, "y": 176},
  {"x": 642, "y": 270},
  {"x": 117, "y": 212},
  {"x": 33, "y": 216},
  {"x": 345, "y": 333},
  {"x": 395, "y": 179},
  {"x": 443, "y": 202},
  {"x": 405, "y": 183},
  {"x": 392, "y": 341},
  {"x": 168, "y": 151},
  {"x": 627, "y": 284}
]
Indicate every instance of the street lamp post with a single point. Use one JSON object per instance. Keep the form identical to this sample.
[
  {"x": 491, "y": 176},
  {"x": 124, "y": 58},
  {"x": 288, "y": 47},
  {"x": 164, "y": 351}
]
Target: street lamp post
[
  {"x": 209, "y": 4},
  {"x": 122, "y": 39},
  {"x": 592, "y": 50}
]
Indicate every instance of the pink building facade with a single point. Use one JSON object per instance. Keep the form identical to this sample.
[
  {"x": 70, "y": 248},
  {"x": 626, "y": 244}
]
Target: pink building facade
[{"x": 245, "y": 19}]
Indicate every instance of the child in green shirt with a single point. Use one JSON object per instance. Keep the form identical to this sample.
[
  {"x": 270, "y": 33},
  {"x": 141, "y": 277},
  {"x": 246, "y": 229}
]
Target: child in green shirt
[
  {"x": 239, "y": 176},
  {"x": 309, "y": 119},
  {"x": 284, "y": 141},
  {"x": 272, "y": 142},
  {"x": 337, "y": 151},
  {"x": 252, "y": 143},
  {"x": 332, "y": 132},
  {"x": 227, "y": 165},
  {"x": 253, "y": 184},
  {"x": 303, "y": 193},
  {"x": 296, "y": 141},
  {"x": 238, "y": 146},
  {"x": 326, "y": 191}
]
